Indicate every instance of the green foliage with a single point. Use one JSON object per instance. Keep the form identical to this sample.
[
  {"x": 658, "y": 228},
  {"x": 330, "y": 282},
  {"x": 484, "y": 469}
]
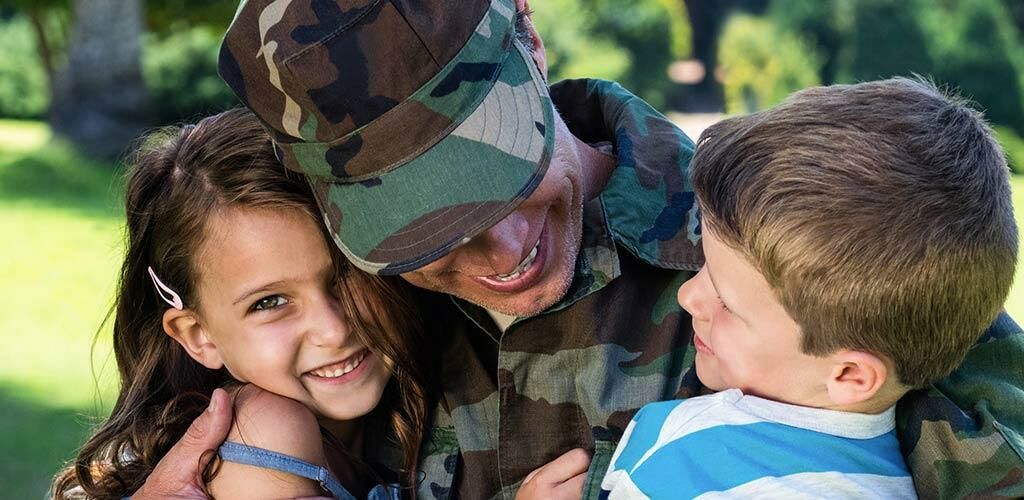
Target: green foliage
[
  {"x": 818, "y": 23},
  {"x": 23, "y": 85},
  {"x": 1013, "y": 145},
  {"x": 181, "y": 73},
  {"x": 886, "y": 40},
  {"x": 975, "y": 48},
  {"x": 761, "y": 64},
  {"x": 970, "y": 45},
  {"x": 632, "y": 42},
  {"x": 167, "y": 16}
]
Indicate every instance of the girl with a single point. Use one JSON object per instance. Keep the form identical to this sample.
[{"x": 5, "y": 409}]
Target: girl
[{"x": 229, "y": 278}]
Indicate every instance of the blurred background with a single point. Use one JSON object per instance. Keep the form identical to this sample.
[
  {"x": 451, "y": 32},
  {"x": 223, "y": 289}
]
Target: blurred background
[{"x": 80, "y": 79}]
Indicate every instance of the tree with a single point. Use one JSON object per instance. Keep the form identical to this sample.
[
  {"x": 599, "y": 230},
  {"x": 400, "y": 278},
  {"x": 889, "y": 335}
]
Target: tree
[
  {"x": 818, "y": 24},
  {"x": 977, "y": 50},
  {"x": 760, "y": 64},
  {"x": 99, "y": 98},
  {"x": 630, "y": 41}
]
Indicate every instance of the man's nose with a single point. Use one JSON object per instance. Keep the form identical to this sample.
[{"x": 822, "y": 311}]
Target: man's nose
[{"x": 499, "y": 250}]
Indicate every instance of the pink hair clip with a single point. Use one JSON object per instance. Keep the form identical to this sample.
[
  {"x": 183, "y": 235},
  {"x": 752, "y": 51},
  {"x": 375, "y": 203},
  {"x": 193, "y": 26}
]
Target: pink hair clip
[{"x": 165, "y": 292}]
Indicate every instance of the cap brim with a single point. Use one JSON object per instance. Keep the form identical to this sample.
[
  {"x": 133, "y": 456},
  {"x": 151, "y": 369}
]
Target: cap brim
[{"x": 464, "y": 184}]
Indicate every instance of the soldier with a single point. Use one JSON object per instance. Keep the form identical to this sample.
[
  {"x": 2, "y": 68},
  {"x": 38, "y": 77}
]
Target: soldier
[{"x": 561, "y": 222}]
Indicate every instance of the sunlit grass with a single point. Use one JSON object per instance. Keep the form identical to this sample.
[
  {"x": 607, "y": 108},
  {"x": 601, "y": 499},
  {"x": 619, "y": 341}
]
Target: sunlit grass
[
  {"x": 22, "y": 136},
  {"x": 1015, "y": 303},
  {"x": 61, "y": 225}
]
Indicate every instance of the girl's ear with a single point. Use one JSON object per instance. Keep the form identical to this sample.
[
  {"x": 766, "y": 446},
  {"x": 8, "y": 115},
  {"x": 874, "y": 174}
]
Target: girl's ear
[
  {"x": 182, "y": 326},
  {"x": 856, "y": 377}
]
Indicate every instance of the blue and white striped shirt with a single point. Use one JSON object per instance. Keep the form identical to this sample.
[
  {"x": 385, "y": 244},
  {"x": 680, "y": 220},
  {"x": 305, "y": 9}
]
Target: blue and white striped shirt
[{"x": 730, "y": 445}]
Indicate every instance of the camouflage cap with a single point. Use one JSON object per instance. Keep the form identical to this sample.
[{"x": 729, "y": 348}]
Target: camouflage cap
[{"x": 419, "y": 124}]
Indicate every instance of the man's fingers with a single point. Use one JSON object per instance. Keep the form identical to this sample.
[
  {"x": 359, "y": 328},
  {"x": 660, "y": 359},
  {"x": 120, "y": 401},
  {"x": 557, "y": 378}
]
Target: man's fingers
[
  {"x": 177, "y": 474},
  {"x": 573, "y": 488},
  {"x": 529, "y": 477},
  {"x": 571, "y": 464},
  {"x": 206, "y": 433}
]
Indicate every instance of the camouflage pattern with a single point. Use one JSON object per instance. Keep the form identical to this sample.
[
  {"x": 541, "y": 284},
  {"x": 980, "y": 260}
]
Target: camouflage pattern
[
  {"x": 574, "y": 375},
  {"x": 418, "y": 123},
  {"x": 422, "y": 123}
]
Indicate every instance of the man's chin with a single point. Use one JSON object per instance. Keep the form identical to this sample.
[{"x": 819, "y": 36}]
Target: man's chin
[{"x": 522, "y": 305}]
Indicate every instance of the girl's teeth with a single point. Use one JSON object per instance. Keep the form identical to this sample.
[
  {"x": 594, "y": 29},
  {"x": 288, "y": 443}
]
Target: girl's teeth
[{"x": 342, "y": 370}]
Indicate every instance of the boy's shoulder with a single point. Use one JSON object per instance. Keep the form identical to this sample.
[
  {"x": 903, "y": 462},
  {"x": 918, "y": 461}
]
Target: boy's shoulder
[{"x": 683, "y": 413}]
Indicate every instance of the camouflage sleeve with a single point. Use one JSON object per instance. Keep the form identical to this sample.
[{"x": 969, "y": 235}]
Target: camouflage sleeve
[{"x": 964, "y": 437}]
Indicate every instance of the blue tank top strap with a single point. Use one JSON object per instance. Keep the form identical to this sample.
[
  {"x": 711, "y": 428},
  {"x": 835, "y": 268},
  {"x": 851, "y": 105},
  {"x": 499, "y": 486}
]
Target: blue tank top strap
[
  {"x": 231, "y": 451},
  {"x": 385, "y": 492}
]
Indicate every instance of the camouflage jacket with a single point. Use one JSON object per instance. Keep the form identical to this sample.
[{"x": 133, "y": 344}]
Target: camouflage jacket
[{"x": 574, "y": 375}]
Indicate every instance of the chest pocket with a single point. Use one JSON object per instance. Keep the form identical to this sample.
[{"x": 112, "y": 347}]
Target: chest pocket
[{"x": 603, "y": 451}]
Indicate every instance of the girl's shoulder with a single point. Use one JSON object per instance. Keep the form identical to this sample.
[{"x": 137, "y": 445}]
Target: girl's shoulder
[{"x": 269, "y": 422}]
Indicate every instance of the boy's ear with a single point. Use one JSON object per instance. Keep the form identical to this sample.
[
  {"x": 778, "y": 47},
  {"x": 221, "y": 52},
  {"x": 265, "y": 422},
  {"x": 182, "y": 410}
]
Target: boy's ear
[
  {"x": 182, "y": 326},
  {"x": 855, "y": 377}
]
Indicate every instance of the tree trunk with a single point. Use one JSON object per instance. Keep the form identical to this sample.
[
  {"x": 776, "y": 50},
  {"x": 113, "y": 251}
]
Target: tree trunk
[
  {"x": 43, "y": 45},
  {"x": 99, "y": 98}
]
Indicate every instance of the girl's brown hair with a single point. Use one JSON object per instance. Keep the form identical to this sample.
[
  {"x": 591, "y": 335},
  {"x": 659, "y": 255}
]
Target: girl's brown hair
[{"x": 180, "y": 176}]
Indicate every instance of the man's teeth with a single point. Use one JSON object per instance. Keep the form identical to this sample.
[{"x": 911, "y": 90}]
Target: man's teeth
[
  {"x": 339, "y": 369},
  {"x": 521, "y": 267}
]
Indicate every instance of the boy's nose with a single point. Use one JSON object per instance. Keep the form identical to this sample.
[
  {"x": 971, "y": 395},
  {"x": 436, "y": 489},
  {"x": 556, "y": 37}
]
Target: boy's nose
[{"x": 690, "y": 296}]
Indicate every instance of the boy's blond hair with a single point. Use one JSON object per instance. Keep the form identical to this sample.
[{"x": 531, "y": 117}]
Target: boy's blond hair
[{"x": 879, "y": 213}]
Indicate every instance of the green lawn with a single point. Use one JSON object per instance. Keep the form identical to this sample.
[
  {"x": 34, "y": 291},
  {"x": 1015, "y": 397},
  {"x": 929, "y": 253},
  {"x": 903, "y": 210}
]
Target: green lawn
[{"x": 62, "y": 225}]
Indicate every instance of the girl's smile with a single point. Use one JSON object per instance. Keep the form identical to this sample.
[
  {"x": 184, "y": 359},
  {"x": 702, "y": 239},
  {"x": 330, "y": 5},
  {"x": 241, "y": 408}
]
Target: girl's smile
[
  {"x": 272, "y": 316},
  {"x": 339, "y": 368},
  {"x": 344, "y": 372}
]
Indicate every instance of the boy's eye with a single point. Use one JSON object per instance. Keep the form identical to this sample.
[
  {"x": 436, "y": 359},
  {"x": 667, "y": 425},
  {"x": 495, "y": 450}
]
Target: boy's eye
[
  {"x": 725, "y": 307},
  {"x": 268, "y": 303}
]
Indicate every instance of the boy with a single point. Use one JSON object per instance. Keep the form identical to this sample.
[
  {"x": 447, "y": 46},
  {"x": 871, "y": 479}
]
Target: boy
[{"x": 858, "y": 239}]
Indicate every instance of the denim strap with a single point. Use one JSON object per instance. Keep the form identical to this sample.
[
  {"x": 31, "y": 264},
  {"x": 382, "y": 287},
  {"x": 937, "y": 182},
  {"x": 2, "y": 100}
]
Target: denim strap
[{"x": 258, "y": 457}]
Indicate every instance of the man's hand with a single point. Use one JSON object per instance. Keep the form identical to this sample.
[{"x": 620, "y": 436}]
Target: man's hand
[
  {"x": 562, "y": 478},
  {"x": 177, "y": 474}
]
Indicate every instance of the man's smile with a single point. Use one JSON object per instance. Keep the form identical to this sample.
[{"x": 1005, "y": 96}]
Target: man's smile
[{"x": 524, "y": 275}]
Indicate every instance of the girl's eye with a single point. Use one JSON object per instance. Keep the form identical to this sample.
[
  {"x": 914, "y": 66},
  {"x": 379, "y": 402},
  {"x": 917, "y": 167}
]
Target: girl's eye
[
  {"x": 725, "y": 307},
  {"x": 268, "y": 303}
]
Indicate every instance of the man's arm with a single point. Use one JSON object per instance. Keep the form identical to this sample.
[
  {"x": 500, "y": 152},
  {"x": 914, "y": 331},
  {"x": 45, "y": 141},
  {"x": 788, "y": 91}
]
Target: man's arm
[
  {"x": 177, "y": 474},
  {"x": 965, "y": 435}
]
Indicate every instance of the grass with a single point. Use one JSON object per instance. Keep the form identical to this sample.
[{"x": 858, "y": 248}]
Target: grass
[
  {"x": 1015, "y": 302},
  {"x": 62, "y": 222}
]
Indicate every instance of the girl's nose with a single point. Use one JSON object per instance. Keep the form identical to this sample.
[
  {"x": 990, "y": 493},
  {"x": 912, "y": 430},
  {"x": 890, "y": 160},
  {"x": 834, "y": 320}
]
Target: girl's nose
[{"x": 327, "y": 324}]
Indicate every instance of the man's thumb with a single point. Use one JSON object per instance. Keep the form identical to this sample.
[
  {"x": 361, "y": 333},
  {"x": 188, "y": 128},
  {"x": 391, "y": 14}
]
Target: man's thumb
[
  {"x": 209, "y": 430},
  {"x": 176, "y": 474}
]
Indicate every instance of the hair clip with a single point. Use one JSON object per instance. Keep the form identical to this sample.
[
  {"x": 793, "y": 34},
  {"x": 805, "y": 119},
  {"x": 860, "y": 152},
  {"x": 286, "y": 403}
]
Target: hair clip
[{"x": 165, "y": 292}]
